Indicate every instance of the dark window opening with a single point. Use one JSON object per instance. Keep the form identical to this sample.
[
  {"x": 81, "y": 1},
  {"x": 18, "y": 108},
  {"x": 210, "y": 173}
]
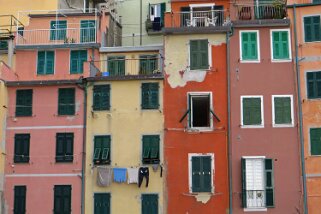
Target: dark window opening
[{"x": 200, "y": 111}]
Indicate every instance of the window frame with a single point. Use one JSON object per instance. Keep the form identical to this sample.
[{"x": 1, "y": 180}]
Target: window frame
[
  {"x": 291, "y": 108},
  {"x": 67, "y": 158},
  {"x": 101, "y": 160},
  {"x": 101, "y": 107},
  {"x": 21, "y": 114},
  {"x": 310, "y": 142},
  {"x": 54, "y": 62},
  {"x": 118, "y": 59},
  {"x": 209, "y": 54},
  {"x": 258, "y": 60},
  {"x": 108, "y": 194},
  {"x": 149, "y": 106},
  {"x": 289, "y": 45},
  {"x": 262, "y": 111},
  {"x": 88, "y": 30},
  {"x": 22, "y": 156},
  {"x": 190, "y": 171},
  {"x": 148, "y": 58},
  {"x": 303, "y": 27},
  {"x": 53, "y": 37},
  {"x": 190, "y": 114},
  {"x": 151, "y": 160}
]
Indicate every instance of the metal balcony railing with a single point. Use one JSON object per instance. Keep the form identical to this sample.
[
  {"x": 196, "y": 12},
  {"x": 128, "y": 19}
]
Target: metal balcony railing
[
  {"x": 256, "y": 11},
  {"x": 210, "y": 18},
  {"x": 255, "y": 198},
  {"x": 145, "y": 65}
]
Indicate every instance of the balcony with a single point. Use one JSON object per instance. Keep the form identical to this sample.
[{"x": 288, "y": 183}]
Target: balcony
[
  {"x": 198, "y": 21},
  {"x": 147, "y": 66}
]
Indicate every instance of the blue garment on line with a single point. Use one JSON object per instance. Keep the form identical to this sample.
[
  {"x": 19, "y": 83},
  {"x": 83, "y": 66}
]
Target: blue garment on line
[{"x": 120, "y": 175}]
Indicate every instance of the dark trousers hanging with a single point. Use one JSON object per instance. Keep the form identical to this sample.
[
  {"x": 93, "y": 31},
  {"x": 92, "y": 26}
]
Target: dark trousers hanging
[{"x": 143, "y": 172}]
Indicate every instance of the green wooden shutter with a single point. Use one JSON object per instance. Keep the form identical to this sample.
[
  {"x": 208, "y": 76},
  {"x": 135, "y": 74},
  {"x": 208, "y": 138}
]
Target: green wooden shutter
[
  {"x": 69, "y": 147},
  {"x": 282, "y": 110},
  {"x": 199, "y": 54},
  {"x": 315, "y": 141},
  {"x": 150, "y": 96},
  {"x": 269, "y": 183},
  {"x": 316, "y": 28},
  {"x": 62, "y": 199},
  {"x": 162, "y": 11},
  {"x": 58, "y": 30},
  {"x": 146, "y": 149},
  {"x": 60, "y": 138},
  {"x": 155, "y": 148},
  {"x": 66, "y": 101},
  {"x": 244, "y": 193},
  {"x": 149, "y": 204},
  {"x": 82, "y": 59},
  {"x": 249, "y": 46},
  {"x": 101, "y": 98},
  {"x": 21, "y": 149},
  {"x": 19, "y": 199},
  {"x": 50, "y": 62},
  {"x": 24, "y": 102},
  {"x": 307, "y": 29},
  {"x": 280, "y": 45},
  {"x": 116, "y": 66},
  {"x": 87, "y": 32},
  {"x": 314, "y": 84},
  {"x": 102, "y": 203},
  {"x": 111, "y": 66},
  {"x": 74, "y": 62},
  {"x": 206, "y": 174},
  {"x": 252, "y": 111},
  {"x": 41, "y": 62},
  {"x": 196, "y": 174},
  {"x": 102, "y": 148},
  {"x": 312, "y": 28}
]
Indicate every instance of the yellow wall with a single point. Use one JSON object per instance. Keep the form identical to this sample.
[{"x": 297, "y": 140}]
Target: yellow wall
[{"x": 126, "y": 122}]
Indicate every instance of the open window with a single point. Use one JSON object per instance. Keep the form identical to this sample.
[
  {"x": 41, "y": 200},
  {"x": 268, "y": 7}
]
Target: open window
[{"x": 101, "y": 150}]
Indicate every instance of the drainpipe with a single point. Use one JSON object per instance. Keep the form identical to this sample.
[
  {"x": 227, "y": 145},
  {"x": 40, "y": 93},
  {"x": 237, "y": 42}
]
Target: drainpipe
[
  {"x": 140, "y": 24},
  {"x": 300, "y": 112},
  {"x": 84, "y": 6}
]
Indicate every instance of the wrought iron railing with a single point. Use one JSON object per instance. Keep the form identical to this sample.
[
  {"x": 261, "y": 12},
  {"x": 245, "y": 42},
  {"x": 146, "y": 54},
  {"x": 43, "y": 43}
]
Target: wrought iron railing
[
  {"x": 260, "y": 11},
  {"x": 255, "y": 198}
]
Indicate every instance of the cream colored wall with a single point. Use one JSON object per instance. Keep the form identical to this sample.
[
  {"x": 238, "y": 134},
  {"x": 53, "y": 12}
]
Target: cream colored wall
[
  {"x": 126, "y": 122},
  {"x": 130, "y": 16}
]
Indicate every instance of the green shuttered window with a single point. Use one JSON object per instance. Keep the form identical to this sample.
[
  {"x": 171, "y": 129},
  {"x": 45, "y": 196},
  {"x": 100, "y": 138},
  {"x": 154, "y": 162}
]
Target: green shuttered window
[
  {"x": 257, "y": 183},
  {"x": 312, "y": 28},
  {"x": 3, "y": 45},
  {"x": 77, "y": 59},
  {"x": 21, "y": 148},
  {"x": 199, "y": 54},
  {"x": 102, "y": 203},
  {"x": 249, "y": 42},
  {"x": 101, "y": 150},
  {"x": 280, "y": 41},
  {"x": 150, "y": 95},
  {"x": 62, "y": 199},
  {"x": 101, "y": 100},
  {"x": 202, "y": 174},
  {"x": 151, "y": 149},
  {"x": 24, "y": 102},
  {"x": 19, "y": 204},
  {"x": 58, "y": 30},
  {"x": 66, "y": 101},
  {"x": 87, "y": 32},
  {"x": 116, "y": 65},
  {"x": 315, "y": 141},
  {"x": 64, "y": 147},
  {"x": 149, "y": 204},
  {"x": 148, "y": 64},
  {"x": 251, "y": 113},
  {"x": 46, "y": 62},
  {"x": 314, "y": 84},
  {"x": 282, "y": 110}
]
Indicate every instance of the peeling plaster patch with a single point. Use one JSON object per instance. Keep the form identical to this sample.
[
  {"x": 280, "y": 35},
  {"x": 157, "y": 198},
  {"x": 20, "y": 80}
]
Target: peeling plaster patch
[
  {"x": 198, "y": 76},
  {"x": 77, "y": 106},
  {"x": 203, "y": 197}
]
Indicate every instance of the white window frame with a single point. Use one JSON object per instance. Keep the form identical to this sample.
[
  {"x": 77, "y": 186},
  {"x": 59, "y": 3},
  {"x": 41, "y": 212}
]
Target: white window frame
[
  {"x": 258, "y": 60},
  {"x": 189, "y": 125},
  {"x": 273, "y": 112},
  {"x": 303, "y": 35},
  {"x": 190, "y": 183},
  {"x": 262, "y": 112},
  {"x": 271, "y": 45},
  {"x": 209, "y": 54}
]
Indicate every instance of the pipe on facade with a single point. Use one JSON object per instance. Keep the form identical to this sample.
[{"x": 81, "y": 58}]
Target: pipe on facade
[
  {"x": 300, "y": 113},
  {"x": 140, "y": 24}
]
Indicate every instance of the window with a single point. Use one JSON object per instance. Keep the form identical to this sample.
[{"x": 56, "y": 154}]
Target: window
[
  {"x": 102, "y": 150},
  {"x": 77, "y": 59},
  {"x": 280, "y": 45},
  {"x": 315, "y": 141},
  {"x": 199, "y": 55},
  {"x": 156, "y": 15},
  {"x": 199, "y": 110},
  {"x": 149, "y": 204},
  {"x": 64, "y": 147},
  {"x": 19, "y": 204},
  {"x": 101, "y": 97},
  {"x": 314, "y": 84},
  {"x": 88, "y": 31},
  {"x": 257, "y": 182},
  {"x": 3, "y": 45},
  {"x": 58, "y": 30},
  {"x": 150, "y": 95},
  {"x": 62, "y": 199},
  {"x": 148, "y": 64},
  {"x": 46, "y": 62},
  {"x": 116, "y": 65},
  {"x": 252, "y": 111},
  {"x": 151, "y": 149},
  {"x": 249, "y": 46},
  {"x": 102, "y": 203},
  {"x": 312, "y": 28},
  {"x": 24, "y": 102},
  {"x": 66, "y": 101},
  {"x": 21, "y": 148},
  {"x": 282, "y": 109},
  {"x": 201, "y": 169}
]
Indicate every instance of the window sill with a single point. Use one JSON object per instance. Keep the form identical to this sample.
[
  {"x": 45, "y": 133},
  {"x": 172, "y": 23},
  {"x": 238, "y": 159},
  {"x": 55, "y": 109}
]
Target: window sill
[
  {"x": 263, "y": 209},
  {"x": 199, "y": 69},
  {"x": 281, "y": 60},
  {"x": 250, "y": 61},
  {"x": 283, "y": 125},
  {"x": 252, "y": 126},
  {"x": 193, "y": 130}
]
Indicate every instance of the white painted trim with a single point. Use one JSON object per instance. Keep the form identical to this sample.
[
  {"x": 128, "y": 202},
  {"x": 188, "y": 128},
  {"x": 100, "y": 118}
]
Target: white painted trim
[
  {"x": 258, "y": 46},
  {"x": 210, "y": 128},
  {"x": 316, "y": 175},
  {"x": 45, "y": 127},
  {"x": 253, "y": 157},
  {"x": 190, "y": 155},
  {"x": 262, "y": 112},
  {"x": 273, "y": 113},
  {"x": 44, "y": 175},
  {"x": 255, "y": 209},
  {"x": 209, "y": 51},
  {"x": 303, "y": 33},
  {"x": 201, "y": 5},
  {"x": 289, "y": 43}
]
